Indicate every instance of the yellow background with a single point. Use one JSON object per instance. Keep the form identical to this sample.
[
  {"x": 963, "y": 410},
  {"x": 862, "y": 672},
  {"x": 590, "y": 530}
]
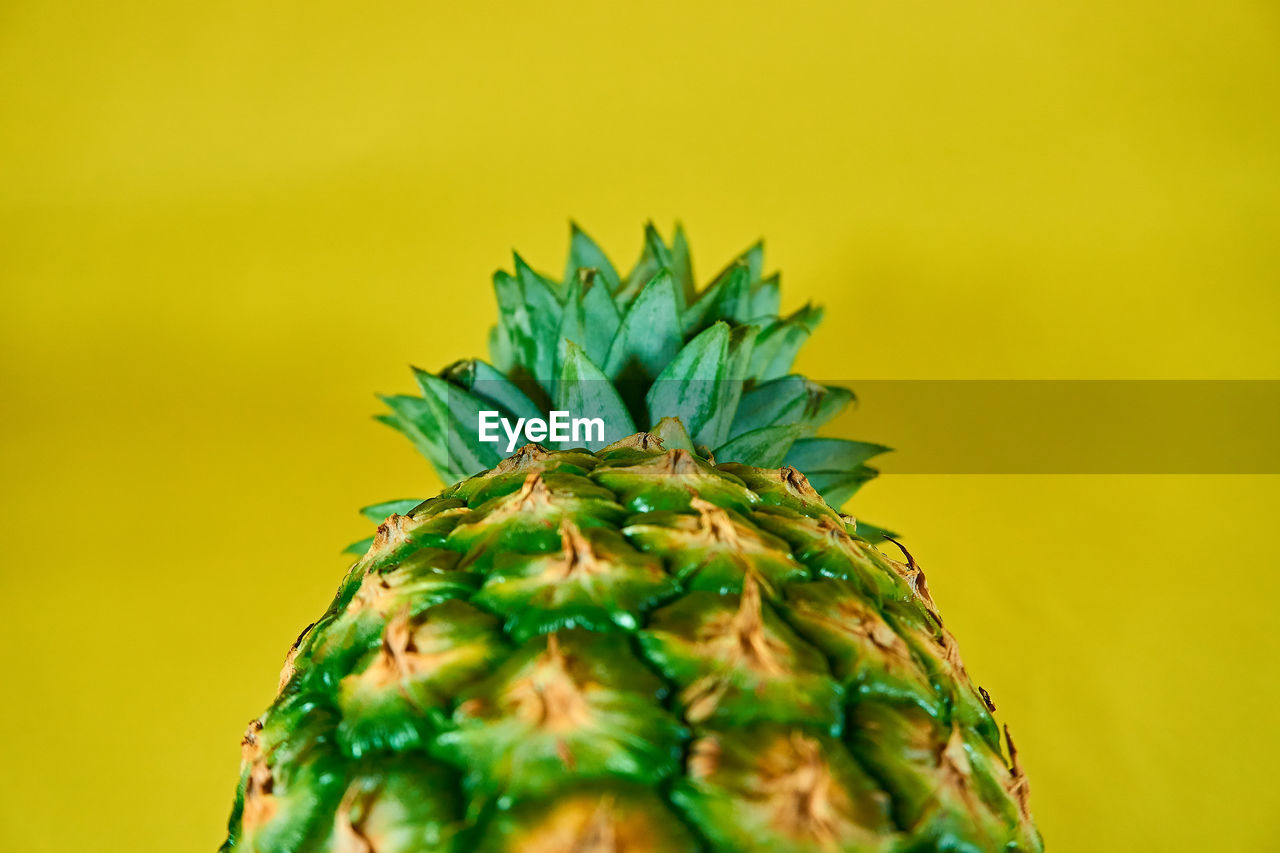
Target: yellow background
[{"x": 223, "y": 226}]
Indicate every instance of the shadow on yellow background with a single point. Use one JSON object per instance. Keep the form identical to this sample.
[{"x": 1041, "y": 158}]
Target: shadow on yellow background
[{"x": 223, "y": 227}]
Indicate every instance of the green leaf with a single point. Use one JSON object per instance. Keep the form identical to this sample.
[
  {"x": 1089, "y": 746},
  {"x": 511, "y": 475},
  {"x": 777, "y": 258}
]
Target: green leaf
[
  {"x": 513, "y": 317},
  {"x": 872, "y": 533},
  {"x": 419, "y": 421},
  {"x": 584, "y": 254},
  {"x": 682, "y": 267},
  {"x": 531, "y": 279},
  {"x": 359, "y": 548},
  {"x": 501, "y": 350},
  {"x": 655, "y": 256},
  {"x": 573, "y": 322},
  {"x": 716, "y": 430},
  {"x": 753, "y": 257},
  {"x": 763, "y": 448},
  {"x": 836, "y": 487},
  {"x": 543, "y": 308},
  {"x": 590, "y": 321},
  {"x": 788, "y": 399},
  {"x": 457, "y": 414},
  {"x": 777, "y": 345},
  {"x": 489, "y": 385},
  {"x": 584, "y": 391},
  {"x": 631, "y": 330},
  {"x": 649, "y": 335},
  {"x": 766, "y": 297},
  {"x": 601, "y": 319},
  {"x": 377, "y": 513},
  {"x": 726, "y": 299},
  {"x": 688, "y": 388},
  {"x": 812, "y": 455}
]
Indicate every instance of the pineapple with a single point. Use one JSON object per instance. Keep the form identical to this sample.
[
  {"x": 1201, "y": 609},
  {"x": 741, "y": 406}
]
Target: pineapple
[{"x": 665, "y": 638}]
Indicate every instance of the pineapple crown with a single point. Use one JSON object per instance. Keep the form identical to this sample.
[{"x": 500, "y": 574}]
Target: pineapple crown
[{"x": 708, "y": 370}]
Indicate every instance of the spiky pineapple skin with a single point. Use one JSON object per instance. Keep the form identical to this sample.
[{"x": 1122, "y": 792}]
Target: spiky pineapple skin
[{"x": 629, "y": 650}]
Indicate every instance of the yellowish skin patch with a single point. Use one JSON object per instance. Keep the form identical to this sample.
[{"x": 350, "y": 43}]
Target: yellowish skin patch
[
  {"x": 793, "y": 785},
  {"x": 589, "y": 824},
  {"x": 734, "y": 640},
  {"x": 260, "y": 804},
  {"x": 855, "y": 619},
  {"x": 578, "y": 555},
  {"x": 549, "y": 697}
]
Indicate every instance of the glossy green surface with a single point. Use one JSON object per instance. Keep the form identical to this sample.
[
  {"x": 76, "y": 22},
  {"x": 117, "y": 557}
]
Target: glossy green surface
[{"x": 635, "y": 649}]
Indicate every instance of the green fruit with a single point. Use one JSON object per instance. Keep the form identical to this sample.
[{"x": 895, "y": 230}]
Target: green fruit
[{"x": 662, "y": 641}]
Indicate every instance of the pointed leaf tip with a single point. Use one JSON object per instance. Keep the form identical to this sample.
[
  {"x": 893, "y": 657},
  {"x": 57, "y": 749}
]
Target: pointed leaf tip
[
  {"x": 649, "y": 336},
  {"x": 689, "y": 387},
  {"x": 583, "y": 390},
  {"x": 584, "y": 254}
]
